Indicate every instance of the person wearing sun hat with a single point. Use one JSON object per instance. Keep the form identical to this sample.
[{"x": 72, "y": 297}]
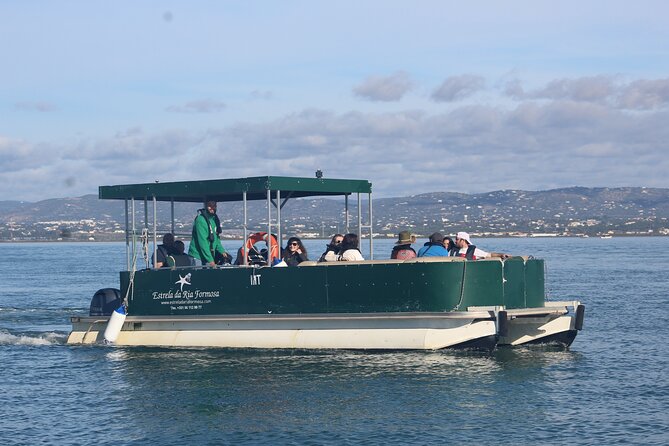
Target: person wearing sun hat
[
  {"x": 402, "y": 249},
  {"x": 471, "y": 252},
  {"x": 434, "y": 247}
]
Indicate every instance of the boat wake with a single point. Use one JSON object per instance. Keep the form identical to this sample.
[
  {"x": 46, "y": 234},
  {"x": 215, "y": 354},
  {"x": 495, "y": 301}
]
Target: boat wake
[{"x": 49, "y": 338}]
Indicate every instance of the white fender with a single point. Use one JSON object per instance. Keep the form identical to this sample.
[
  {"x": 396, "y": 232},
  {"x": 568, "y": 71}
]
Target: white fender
[{"x": 115, "y": 324}]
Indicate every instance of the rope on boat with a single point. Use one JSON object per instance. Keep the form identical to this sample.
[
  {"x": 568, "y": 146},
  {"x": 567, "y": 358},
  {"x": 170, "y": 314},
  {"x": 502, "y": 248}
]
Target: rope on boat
[
  {"x": 131, "y": 280},
  {"x": 145, "y": 245},
  {"x": 462, "y": 287}
]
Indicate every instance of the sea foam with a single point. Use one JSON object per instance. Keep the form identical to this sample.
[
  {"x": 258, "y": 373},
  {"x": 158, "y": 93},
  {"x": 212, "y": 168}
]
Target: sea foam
[{"x": 49, "y": 338}]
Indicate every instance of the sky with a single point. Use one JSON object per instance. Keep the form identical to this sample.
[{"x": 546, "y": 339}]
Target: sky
[{"x": 415, "y": 96}]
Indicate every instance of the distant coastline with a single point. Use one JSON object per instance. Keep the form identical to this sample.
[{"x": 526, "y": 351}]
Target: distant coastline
[
  {"x": 325, "y": 239},
  {"x": 568, "y": 212}
]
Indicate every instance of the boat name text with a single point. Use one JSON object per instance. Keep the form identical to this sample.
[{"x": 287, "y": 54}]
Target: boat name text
[{"x": 186, "y": 294}]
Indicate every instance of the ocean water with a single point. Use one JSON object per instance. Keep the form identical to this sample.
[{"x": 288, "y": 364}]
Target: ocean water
[{"x": 610, "y": 387}]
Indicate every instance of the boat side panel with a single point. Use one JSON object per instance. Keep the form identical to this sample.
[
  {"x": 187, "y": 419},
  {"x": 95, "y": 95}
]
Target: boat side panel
[
  {"x": 514, "y": 283},
  {"x": 394, "y": 287},
  {"x": 535, "y": 295},
  {"x": 482, "y": 284},
  {"x": 358, "y": 287},
  {"x": 228, "y": 291}
]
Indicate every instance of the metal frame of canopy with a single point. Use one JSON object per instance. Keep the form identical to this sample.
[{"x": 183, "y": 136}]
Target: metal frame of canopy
[{"x": 269, "y": 188}]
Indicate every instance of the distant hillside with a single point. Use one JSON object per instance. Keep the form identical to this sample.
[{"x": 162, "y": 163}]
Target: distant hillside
[{"x": 567, "y": 210}]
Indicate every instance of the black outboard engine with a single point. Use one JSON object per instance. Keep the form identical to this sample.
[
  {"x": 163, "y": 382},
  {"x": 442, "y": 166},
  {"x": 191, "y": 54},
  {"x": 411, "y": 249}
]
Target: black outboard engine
[{"x": 105, "y": 301}]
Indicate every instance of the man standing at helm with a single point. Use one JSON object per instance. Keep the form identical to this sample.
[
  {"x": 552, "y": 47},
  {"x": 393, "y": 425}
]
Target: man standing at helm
[{"x": 206, "y": 244}]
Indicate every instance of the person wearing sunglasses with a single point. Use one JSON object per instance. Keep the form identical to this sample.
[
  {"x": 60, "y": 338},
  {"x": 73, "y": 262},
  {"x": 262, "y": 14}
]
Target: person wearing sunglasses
[
  {"x": 295, "y": 252},
  {"x": 333, "y": 249}
]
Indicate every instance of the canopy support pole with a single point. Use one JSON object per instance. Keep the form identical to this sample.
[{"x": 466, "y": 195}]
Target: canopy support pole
[
  {"x": 127, "y": 236},
  {"x": 155, "y": 230},
  {"x": 246, "y": 230}
]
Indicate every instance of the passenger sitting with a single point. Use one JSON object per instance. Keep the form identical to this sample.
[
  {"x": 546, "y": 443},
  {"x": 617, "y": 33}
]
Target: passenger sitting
[
  {"x": 403, "y": 249},
  {"x": 471, "y": 252},
  {"x": 255, "y": 257},
  {"x": 434, "y": 247},
  {"x": 332, "y": 250},
  {"x": 222, "y": 258},
  {"x": 165, "y": 250},
  {"x": 180, "y": 258},
  {"x": 349, "y": 249},
  {"x": 449, "y": 244},
  {"x": 295, "y": 252}
]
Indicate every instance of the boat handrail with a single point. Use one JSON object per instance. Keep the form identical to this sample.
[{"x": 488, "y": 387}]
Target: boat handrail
[{"x": 311, "y": 263}]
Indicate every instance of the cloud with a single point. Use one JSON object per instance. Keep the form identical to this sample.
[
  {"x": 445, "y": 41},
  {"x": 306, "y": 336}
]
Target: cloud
[
  {"x": 42, "y": 107},
  {"x": 263, "y": 95},
  {"x": 514, "y": 89},
  {"x": 201, "y": 106},
  {"x": 587, "y": 89},
  {"x": 384, "y": 89},
  {"x": 533, "y": 144},
  {"x": 643, "y": 94},
  {"x": 456, "y": 88}
]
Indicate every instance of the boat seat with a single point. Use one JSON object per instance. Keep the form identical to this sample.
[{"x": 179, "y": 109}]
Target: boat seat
[
  {"x": 393, "y": 261},
  {"x": 434, "y": 259},
  {"x": 384, "y": 261}
]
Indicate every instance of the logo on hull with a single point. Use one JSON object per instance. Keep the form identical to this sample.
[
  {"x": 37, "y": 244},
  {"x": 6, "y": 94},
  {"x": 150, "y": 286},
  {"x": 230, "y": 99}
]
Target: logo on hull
[{"x": 183, "y": 281}]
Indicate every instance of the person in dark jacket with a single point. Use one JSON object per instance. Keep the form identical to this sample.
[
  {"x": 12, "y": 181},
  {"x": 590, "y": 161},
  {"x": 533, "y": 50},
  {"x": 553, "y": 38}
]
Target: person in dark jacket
[
  {"x": 295, "y": 252},
  {"x": 333, "y": 249},
  {"x": 449, "y": 244},
  {"x": 165, "y": 250}
]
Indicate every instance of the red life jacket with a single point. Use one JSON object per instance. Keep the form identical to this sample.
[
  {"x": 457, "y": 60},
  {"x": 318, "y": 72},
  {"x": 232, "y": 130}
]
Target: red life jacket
[{"x": 403, "y": 253}]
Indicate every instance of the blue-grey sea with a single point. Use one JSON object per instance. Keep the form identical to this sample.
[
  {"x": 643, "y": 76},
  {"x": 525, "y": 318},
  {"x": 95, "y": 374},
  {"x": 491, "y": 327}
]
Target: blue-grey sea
[{"x": 610, "y": 387}]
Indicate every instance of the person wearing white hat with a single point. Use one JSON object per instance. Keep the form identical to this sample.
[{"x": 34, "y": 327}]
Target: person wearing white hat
[{"x": 471, "y": 252}]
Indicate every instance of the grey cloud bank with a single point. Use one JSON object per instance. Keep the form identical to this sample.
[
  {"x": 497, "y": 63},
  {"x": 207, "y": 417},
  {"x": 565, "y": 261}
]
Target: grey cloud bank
[
  {"x": 642, "y": 94},
  {"x": 586, "y": 131}
]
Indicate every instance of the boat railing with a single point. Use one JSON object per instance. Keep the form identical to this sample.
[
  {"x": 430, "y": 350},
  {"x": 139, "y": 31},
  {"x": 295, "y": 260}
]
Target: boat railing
[{"x": 312, "y": 263}]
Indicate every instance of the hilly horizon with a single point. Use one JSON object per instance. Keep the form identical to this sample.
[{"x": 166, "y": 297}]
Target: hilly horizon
[{"x": 566, "y": 211}]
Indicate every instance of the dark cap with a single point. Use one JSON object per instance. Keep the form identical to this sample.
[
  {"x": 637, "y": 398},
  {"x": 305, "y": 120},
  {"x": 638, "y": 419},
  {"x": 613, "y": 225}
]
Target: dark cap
[{"x": 437, "y": 237}]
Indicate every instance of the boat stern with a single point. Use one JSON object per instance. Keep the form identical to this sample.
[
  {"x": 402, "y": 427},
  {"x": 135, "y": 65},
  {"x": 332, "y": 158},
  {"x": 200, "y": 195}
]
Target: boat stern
[{"x": 556, "y": 323}]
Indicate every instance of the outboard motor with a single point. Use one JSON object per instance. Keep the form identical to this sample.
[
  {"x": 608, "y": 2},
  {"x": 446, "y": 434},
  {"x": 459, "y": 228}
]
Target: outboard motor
[{"x": 105, "y": 301}]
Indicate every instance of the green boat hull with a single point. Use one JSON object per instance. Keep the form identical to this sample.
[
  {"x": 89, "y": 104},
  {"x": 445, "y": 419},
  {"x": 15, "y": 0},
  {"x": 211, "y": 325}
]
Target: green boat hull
[{"x": 426, "y": 285}]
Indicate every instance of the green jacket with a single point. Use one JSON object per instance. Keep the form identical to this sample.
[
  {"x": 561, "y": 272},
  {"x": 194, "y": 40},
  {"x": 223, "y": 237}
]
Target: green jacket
[{"x": 200, "y": 246}]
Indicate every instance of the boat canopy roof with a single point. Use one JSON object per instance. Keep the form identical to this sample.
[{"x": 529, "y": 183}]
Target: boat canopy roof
[{"x": 231, "y": 189}]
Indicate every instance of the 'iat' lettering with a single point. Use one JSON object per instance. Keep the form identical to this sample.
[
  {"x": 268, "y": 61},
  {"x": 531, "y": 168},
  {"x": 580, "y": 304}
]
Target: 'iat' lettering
[{"x": 255, "y": 279}]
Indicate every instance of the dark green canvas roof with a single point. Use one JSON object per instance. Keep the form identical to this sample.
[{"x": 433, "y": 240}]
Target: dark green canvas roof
[{"x": 231, "y": 189}]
